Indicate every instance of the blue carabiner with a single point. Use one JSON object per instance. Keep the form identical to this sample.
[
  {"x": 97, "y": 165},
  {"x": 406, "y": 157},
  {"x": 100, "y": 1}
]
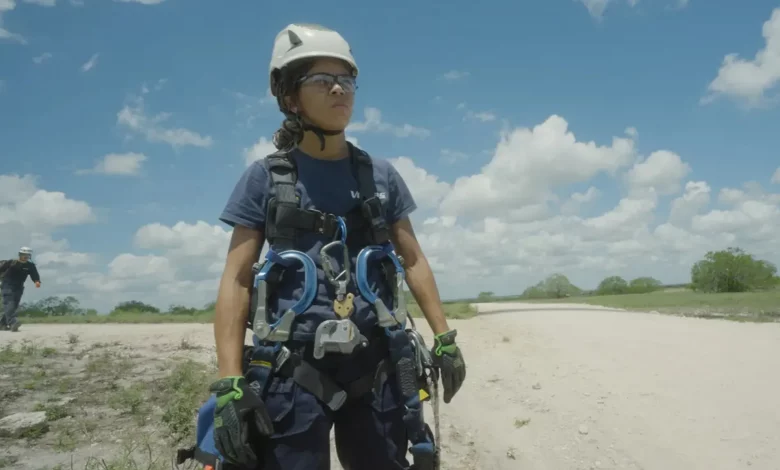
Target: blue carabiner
[
  {"x": 280, "y": 329},
  {"x": 342, "y": 230},
  {"x": 387, "y": 317}
]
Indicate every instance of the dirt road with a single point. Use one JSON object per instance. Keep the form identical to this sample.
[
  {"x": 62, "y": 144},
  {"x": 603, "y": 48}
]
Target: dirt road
[{"x": 558, "y": 387}]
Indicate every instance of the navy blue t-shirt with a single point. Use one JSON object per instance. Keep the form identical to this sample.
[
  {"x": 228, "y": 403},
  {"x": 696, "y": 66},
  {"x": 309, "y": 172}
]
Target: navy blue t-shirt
[{"x": 328, "y": 186}]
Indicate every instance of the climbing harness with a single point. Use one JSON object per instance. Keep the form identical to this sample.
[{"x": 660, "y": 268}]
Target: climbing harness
[
  {"x": 286, "y": 220},
  {"x": 274, "y": 354}
]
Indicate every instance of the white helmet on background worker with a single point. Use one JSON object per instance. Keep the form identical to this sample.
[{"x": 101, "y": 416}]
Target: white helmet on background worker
[
  {"x": 303, "y": 41},
  {"x": 25, "y": 251}
]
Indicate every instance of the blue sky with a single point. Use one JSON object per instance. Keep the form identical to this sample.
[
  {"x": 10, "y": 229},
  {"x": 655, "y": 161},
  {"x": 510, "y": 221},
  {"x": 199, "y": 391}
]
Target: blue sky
[{"x": 467, "y": 73}]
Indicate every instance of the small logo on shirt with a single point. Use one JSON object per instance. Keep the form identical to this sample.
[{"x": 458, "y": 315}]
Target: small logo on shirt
[{"x": 381, "y": 195}]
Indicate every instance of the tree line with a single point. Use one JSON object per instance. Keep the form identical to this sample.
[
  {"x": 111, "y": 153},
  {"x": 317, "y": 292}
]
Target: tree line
[
  {"x": 55, "y": 306},
  {"x": 730, "y": 270}
]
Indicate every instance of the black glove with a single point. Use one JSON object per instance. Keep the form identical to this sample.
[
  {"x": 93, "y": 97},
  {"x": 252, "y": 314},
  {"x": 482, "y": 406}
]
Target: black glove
[
  {"x": 240, "y": 420},
  {"x": 449, "y": 359}
]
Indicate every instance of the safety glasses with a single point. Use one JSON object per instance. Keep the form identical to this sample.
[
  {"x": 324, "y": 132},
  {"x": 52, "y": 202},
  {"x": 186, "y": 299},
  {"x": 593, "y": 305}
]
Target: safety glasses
[{"x": 325, "y": 81}]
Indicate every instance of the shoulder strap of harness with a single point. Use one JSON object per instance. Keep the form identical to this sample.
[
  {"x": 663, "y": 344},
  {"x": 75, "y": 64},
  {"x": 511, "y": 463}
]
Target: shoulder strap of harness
[
  {"x": 285, "y": 218},
  {"x": 371, "y": 206},
  {"x": 283, "y": 207}
]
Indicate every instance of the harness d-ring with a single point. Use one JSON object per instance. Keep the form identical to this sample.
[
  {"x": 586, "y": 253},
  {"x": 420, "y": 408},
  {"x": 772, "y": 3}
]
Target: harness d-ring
[{"x": 280, "y": 329}]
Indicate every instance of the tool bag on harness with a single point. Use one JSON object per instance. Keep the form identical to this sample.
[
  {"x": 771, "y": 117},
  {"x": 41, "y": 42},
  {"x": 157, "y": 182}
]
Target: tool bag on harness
[{"x": 366, "y": 228}]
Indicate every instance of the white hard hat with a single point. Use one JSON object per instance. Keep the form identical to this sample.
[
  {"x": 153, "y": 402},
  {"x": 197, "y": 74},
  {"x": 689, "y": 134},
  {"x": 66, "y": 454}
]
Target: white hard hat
[
  {"x": 25, "y": 251},
  {"x": 302, "y": 41}
]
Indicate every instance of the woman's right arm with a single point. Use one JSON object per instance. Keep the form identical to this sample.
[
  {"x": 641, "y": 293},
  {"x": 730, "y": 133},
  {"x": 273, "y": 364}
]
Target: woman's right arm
[{"x": 233, "y": 297}]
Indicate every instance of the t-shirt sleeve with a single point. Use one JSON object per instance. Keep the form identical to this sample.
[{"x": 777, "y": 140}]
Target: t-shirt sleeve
[
  {"x": 400, "y": 200},
  {"x": 247, "y": 202}
]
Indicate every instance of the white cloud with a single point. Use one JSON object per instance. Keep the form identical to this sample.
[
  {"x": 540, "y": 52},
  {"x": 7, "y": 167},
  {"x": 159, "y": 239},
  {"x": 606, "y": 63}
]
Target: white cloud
[
  {"x": 776, "y": 176},
  {"x": 483, "y": 116},
  {"x": 142, "y": 2},
  {"x": 496, "y": 230},
  {"x": 25, "y": 208},
  {"x": 662, "y": 172},
  {"x": 42, "y": 58},
  {"x": 43, "y": 3},
  {"x": 373, "y": 123},
  {"x": 596, "y": 8},
  {"x": 748, "y": 81},
  {"x": 577, "y": 200},
  {"x": 5, "y": 7},
  {"x": 544, "y": 203},
  {"x": 692, "y": 202},
  {"x": 453, "y": 75},
  {"x": 64, "y": 259},
  {"x": 30, "y": 216},
  {"x": 529, "y": 163},
  {"x": 133, "y": 116},
  {"x": 426, "y": 188},
  {"x": 91, "y": 63},
  {"x": 123, "y": 164},
  {"x": 261, "y": 149}
]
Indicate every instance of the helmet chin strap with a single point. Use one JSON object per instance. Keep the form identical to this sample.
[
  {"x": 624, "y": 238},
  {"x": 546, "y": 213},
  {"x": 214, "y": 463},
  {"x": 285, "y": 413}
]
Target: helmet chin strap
[{"x": 319, "y": 132}]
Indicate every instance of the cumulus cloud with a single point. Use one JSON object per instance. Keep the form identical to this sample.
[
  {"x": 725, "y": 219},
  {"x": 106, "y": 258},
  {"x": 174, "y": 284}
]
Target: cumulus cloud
[
  {"x": 122, "y": 164},
  {"x": 32, "y": 216},
  {"x": 748, "y": 81},
  {"x": 261, "y": 149},
  {"x": 373, "y": 123},
  {"x": 529, "y": 163},
  {"x": 662, "y": 172},
  {"x": 134, "y": 118},
  {"x": 539, "y": 206}
]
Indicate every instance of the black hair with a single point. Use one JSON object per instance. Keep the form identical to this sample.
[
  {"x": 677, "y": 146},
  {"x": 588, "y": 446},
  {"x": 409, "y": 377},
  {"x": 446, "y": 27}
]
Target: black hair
[{"x": 290, "y": 134}]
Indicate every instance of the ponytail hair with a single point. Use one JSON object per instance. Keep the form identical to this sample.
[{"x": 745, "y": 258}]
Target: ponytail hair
[{"x": 290, "y": 134}]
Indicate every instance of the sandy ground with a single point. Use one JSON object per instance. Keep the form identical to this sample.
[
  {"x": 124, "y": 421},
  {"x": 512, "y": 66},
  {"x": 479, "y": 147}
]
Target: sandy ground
[{"x": 558, "y": 387}]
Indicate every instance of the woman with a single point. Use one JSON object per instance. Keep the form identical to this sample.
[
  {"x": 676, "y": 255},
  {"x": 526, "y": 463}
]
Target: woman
[{"x": 272, "y": 421}]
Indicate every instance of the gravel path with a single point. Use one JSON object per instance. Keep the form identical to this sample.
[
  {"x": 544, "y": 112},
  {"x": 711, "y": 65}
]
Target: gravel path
[{"x": 562, "y": 386}]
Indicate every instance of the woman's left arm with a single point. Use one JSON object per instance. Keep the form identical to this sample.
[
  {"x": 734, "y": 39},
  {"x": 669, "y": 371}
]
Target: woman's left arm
[{"x": 419, "y": 276}]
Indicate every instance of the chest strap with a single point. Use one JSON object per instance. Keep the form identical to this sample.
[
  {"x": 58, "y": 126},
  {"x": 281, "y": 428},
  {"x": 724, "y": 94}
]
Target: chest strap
[{"x": 286, "y": 219}]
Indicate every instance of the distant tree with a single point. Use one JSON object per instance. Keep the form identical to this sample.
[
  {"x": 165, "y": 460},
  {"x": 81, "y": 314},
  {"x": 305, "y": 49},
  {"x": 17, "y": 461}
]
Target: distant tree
[
  {"x": 732, "y": 270},
  {"x": 181, "y": 310},
  {"x": 612, "y": 285},
  {"x": 643, "y": 285},
  {"x": 135, "y": 306},
  {"x": 52, "y": 306},
  {"x": 486, "y": 296},
  {"x": 556, "y": 286}
]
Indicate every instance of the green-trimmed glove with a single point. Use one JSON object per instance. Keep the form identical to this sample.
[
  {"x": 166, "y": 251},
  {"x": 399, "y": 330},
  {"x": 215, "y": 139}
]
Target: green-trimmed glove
[
  {"x": 449, "y": 359},
  {"x": 240, "y": 419}
]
